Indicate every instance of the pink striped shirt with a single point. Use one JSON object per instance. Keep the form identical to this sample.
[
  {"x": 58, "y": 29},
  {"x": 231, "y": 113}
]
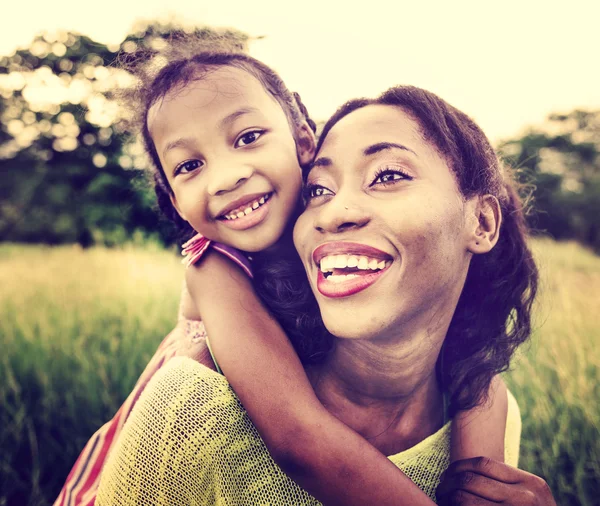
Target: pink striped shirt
[{"x": 82, "y": 482}]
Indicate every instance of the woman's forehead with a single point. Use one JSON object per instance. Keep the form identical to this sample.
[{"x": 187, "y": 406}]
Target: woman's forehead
[{"x": 370, "y": 125}]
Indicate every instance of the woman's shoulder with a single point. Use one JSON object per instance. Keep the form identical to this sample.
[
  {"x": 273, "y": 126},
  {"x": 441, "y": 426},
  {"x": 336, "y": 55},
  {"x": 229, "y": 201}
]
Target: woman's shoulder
[
  {"x": 424, "y": 462},
  {"x": 187, "y": 383},
  {"x": 170, "y": 444}
]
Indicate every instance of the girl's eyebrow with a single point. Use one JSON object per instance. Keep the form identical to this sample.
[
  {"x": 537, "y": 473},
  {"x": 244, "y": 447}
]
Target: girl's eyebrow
[
  {"x": 230, "y": 118},
  {"x": 182, "y": 142},
  {"x": 226, "y": 121}
]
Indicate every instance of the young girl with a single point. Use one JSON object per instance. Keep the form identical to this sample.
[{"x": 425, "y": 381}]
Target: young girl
[{"x": 228, "y": 141}]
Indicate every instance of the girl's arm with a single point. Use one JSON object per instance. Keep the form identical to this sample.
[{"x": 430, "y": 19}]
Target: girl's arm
[
  {"x": 480, "y": 431},
  {"x": 327, "y": 458}
]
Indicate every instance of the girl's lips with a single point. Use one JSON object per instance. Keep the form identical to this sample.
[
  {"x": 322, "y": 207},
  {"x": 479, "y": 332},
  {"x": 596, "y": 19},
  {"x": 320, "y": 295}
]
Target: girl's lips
[
  {"x": 346, "y": 288},
  {"x": 256, "y": 217}
]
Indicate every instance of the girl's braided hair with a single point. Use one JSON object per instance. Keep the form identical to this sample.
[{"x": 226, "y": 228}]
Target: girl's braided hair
[{"x": 279, "y": 276}]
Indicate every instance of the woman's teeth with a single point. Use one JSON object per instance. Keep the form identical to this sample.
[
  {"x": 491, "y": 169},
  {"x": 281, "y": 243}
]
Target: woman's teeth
[
  {"x": 362, "y": 263},
  {"x": 247, "y": 209}
]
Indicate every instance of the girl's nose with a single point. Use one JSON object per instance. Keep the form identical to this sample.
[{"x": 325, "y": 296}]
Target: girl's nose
[
  {"x": 340, "y": 214},
  {"x": 223, "y": 179}
]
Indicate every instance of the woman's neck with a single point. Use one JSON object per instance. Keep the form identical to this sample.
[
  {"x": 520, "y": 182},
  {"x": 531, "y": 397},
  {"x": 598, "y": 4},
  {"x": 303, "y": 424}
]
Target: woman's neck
[{"x": 387, "y": 392}]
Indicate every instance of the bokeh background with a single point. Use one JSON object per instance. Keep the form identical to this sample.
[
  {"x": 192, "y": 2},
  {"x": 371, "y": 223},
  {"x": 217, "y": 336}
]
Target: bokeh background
[{"x": 90, "y": 274}]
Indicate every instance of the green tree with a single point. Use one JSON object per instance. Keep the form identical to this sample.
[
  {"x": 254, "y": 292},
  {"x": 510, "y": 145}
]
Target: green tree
[
  {"x": 561, "y": 160},
  {"x": 68, "y": 172}
]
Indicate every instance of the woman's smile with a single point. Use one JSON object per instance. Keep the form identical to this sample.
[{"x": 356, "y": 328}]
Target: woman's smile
[{"x": 346, "y": 268}]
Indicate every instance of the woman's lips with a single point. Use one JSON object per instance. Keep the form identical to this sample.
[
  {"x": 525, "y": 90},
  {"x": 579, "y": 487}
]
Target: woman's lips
[
  {"x": 346, "y": 268},
  {"x": 352, "y": 285},
  {"x": 348, "y": 248}
]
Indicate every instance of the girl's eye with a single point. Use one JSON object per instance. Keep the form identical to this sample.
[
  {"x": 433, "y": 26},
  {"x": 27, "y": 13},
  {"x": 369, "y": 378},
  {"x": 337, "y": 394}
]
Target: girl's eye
[
  {"x": 248, "y": 138},
  {"x": 187, "y": 167},
  {"x": 389, "y": 176},
  {"x": 313, "y": 191}
]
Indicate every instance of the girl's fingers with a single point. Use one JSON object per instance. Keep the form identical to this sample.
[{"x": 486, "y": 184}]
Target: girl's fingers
[
  {"x": 461, "y": 482},
  {"x": 463, "y": 498},
  {"x": 471, "y": 486},
  {"x": 488, "y": 467},
  {"x": 482, "y": 478}
]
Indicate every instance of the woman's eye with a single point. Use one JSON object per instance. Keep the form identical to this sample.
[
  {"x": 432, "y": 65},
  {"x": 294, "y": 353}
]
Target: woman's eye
[
  {"x": 187, "y": 167},
  {"x": 314, "y": 191},
  {"x": 248, "y": 138},
  {"x": 389, "y": 176}
]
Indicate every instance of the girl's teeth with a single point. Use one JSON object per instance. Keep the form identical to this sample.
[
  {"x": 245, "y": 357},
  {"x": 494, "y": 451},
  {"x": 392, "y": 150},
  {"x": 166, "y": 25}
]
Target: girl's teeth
[
  {"x": 373, "y": 264},
  {"x": 255, "y": 205},
  {"x": 381, "y": 265}
]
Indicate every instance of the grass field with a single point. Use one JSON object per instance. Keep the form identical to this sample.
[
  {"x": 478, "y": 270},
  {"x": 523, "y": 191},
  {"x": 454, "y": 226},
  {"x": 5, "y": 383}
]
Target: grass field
[{"x": 77, "y": 327}]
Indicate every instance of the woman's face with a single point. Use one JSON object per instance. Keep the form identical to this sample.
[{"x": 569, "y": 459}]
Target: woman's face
[{"x": 384, "y": 237}]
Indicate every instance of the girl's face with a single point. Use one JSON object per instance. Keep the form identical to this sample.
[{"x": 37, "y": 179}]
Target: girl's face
[
  {"x": 230, "y": 157},
  {"x": 385, "y": 235}
]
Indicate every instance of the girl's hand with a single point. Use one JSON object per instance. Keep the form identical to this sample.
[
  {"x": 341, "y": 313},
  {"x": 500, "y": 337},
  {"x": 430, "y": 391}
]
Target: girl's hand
[{"x": 484, "y": 481}]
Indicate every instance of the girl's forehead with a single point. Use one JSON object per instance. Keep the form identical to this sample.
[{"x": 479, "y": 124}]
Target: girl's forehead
[{"x": 213, "y": 94}]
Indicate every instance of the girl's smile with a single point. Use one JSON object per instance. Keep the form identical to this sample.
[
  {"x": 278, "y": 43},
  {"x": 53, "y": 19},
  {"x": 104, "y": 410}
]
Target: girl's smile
[{"x": 251, "y": 212}]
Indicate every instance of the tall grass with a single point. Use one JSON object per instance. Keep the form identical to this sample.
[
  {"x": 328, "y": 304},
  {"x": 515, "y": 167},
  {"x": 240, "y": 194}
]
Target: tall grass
[
  {"x": 556, "y": 378},
  {"x": 77, "y": 328}
]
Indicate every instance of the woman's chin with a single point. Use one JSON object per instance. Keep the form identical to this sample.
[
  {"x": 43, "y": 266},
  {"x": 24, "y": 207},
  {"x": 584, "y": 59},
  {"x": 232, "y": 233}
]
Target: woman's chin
[{"x": 350, "y": 328}]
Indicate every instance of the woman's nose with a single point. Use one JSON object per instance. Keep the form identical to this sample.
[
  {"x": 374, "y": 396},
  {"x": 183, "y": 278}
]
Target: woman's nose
[
  {"x": 225, "y": 178},
  {"x": 339, "y": 215}
]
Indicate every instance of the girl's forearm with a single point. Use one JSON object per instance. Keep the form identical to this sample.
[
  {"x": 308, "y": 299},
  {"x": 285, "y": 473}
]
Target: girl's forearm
[
  {"x": 480, "y": 431},
  {"x": 327, "y": 458}
]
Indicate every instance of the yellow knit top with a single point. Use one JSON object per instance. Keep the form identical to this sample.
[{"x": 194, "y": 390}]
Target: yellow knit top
[{"x": 189, "y": 441}]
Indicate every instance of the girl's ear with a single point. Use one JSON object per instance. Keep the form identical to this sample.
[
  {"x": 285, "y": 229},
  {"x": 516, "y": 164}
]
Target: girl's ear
[
  {"x": 306, "y": 144},
  {"x": 486, "y": 225},
  {"x": 176, "y": 206}
]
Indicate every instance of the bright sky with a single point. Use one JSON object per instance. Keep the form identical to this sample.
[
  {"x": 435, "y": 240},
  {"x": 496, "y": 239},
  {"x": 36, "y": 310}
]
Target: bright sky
[{"x": 507, "y": 64}]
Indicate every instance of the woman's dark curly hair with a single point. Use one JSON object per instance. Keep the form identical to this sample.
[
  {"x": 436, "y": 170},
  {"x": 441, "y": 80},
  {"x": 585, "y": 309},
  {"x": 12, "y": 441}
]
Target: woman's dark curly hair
[
  {"x": 279, "y": 277},
  {"x": 493, "y": 315}
]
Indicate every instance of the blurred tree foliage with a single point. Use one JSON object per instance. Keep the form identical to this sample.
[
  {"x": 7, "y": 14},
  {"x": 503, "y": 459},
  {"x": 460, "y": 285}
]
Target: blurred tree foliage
[
  {"x": 68, "y": 171},
  {"x": 562, "y": 163}
]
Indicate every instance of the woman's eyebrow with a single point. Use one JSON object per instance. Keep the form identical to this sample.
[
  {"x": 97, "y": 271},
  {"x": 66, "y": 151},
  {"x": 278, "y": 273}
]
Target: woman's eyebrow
[
  {"x": 322, "y": 161},
  {"x": 381, "y": 146}
]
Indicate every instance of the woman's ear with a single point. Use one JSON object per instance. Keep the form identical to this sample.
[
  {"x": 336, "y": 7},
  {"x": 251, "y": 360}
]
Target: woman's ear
[
  {"x": 486, "y": 228},
  {"x": 306, "y": 144}
]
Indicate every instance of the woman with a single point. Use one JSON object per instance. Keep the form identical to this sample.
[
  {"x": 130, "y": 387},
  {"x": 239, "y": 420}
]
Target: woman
[{"x": 409, "y": 181}]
